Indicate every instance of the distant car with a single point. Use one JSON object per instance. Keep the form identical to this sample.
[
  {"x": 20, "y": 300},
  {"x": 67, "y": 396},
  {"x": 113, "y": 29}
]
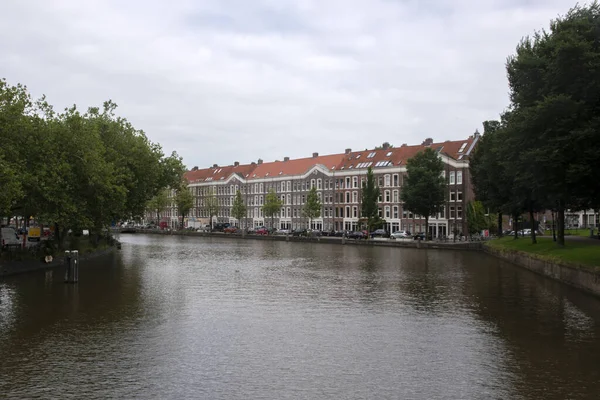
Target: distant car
[
  {"x": 419, "y": 236},
  {"x": 9, "y": 238},
  {"x": 299, "y": 232},
  {"x": 356, "y": 235},
  {"x": 400, "y": 235},
  {"x": 230, "y": 229},
  {"x": 261, "y": 231},
  {"x": 379, "y": 233},
  {"x": 282, "y": 231}
]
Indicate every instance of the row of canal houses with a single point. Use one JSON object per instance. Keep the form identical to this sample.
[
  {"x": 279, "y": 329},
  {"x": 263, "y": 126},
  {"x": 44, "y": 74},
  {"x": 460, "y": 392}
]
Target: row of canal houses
[{"x": 338, "y": 179}]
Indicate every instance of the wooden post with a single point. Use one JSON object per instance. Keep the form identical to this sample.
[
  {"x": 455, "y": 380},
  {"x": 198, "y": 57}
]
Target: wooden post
[{"x": 72, "y": 266}]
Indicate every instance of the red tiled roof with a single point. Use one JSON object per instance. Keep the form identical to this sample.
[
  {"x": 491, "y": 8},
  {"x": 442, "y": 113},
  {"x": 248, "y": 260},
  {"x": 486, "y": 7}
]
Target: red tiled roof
[
  {"x": 294, "y": 167},
  {"x": 395, "y": 156}
]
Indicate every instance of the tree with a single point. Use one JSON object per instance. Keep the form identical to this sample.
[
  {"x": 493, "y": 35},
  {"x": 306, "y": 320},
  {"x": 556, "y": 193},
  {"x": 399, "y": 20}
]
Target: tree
[
  {"x": 184, "y": 201},
  {"x": 554, "y": 84},
  {"x": 369, "y": 201},
  {"x": 425, "y": 187},
  {"x": 476, "y": 219},
  {"x": 272, "y": 205},
  {"x": 238, "y": 210},
  {"x": 158, "y": 203},
  {"x": 211, "y": 205},
  {"x": 312, "y": 207}
]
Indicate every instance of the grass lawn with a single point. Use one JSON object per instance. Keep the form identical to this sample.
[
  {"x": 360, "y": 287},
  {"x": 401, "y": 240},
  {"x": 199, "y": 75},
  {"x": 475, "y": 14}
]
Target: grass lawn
[
  {"x": 575, "y": 251},
  {"x": 578, "y": 232}
]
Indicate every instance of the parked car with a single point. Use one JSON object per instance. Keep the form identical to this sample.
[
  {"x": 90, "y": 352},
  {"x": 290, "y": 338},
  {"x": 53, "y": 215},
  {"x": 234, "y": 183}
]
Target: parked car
[
  {"x": 261, "y": 231},
  {"x": 419, "y": 236},
  {"x": 400, "y": 235},
  {"x": 313, "y": 233},
  {"x": 356, "y": 235},
  {"x": 230, "y": 229},
  {"x": 299, "y": 232},
  {"x": 379, "y": 233},
  {"x": 282, "y": 231},
  {"x": 9, "y": 238}
]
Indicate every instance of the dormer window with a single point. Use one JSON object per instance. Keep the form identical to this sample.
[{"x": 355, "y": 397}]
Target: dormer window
[
  {"x": 462, "y": 148},
  {"x": 388, "y": 154},
  {"x": 371, "y": 155}
]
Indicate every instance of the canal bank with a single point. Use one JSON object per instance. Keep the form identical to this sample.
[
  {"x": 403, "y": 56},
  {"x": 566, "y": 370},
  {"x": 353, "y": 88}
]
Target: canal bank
[
  {"x": 414, "y": 244},
  {"x": 584, "y": 277},
  {"x": 23, "y": 266}
]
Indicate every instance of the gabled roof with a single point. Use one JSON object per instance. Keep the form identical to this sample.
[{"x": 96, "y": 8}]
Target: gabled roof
[
  {"x": 395, "y": 156},
  {"x": 294, "y": 167},
  {"x": 218, "y": 173}
]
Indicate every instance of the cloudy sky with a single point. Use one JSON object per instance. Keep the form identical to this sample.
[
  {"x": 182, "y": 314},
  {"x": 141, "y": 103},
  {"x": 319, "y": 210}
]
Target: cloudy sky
[{"x": 226, "y": 80}]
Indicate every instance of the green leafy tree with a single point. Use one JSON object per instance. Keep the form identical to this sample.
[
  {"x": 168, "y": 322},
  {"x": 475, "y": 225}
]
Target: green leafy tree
[
  {"x": 424, "y": 187},
  {"x": 158, "y": 204},
  {"x": 476, "y": 219},
  {"x": 272, "y": 205},
  {"x": 184, "y": 201},
  {"x": 238, "y": 210},
  {"x": 554, "y": 84},
  {"x": 211, "y": 205},
  {"x": 312, "y": 207},
  {"x": 369, "y": 201}
]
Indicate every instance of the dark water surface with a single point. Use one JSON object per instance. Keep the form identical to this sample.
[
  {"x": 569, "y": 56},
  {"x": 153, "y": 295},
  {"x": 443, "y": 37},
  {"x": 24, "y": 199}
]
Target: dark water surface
[{"x": 208, "y": 318}]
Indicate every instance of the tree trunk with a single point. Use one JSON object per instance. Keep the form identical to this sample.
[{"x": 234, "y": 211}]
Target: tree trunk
[
  {"x": 532, "y": 222},
  {"x": 585, "y": 219},
  {"x": 426, "y": 227},
  {"x": 516, "y": 225},
  {"x": 560, "y": 240},
  {"x": 499, "y": 223},
  {"x": 553, "y": 226}
]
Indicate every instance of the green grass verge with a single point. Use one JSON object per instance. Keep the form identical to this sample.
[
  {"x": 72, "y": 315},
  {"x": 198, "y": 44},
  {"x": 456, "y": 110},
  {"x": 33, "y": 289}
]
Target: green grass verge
[
  {"x": 580, "y": 252},
  {"x": 578, "y": 232}
]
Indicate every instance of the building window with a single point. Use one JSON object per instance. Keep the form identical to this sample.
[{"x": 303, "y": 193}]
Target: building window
[
  {"x": 387, "y": 196},
  {"x": 347, "y": 197},
  {"x": 459, "y": 212},
  {"x": 347, "y": 212},
  {"x": 289, "y": 186},
  {"x": 442, "y": 212},
  {"x": 458, "y": 177},
  {"x": 395, "y": 179},
  {"x": 387, "y": 180},
  {"x": 318, "y": 184},
  {"x": 348, "y": 182},
  {"x": 459, "y": 196},
  {"x": 289, "y": 199},
  {"x": 451, "y": 212},
  {"x": 452, "y": 196},
  {"x": 355, "y": 197},
  {"x": 355, "y": 182},
  {"x": 387, "y": 211},
  {"x": 452, "y": 177},
  {"x": 355, "y": 212}
]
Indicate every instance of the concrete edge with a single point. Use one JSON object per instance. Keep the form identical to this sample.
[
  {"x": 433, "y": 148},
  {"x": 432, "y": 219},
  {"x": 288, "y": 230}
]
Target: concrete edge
[{"x": 572, "y": 275}]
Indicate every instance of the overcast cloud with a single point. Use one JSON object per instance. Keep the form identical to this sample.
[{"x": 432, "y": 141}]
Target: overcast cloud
[{"x": 226, "y": 80}]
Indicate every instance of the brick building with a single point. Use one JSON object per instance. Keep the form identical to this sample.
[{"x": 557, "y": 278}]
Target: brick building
[{"x": 338, "y": 179}]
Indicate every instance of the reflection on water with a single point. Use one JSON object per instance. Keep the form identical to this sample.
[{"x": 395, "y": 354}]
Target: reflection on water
[{"x": 177, "y": 317}]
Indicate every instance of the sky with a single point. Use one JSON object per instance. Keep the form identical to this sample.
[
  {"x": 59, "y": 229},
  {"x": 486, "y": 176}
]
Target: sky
[{"x": 220, "y": 81}]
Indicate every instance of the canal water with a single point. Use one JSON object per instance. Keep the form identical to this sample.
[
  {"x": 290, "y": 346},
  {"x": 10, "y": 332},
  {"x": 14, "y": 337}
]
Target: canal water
[{"x": 172, "y": 317}]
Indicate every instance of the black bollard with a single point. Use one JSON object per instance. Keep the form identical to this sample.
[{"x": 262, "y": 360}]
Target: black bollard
[{"x": 72, "y": 266}]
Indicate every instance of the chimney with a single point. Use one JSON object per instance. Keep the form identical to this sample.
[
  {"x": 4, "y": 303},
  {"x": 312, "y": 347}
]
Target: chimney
[
  {"x": 403, "y": 145},
  {"x": 476, "y": 134},
  {"x": 259, "y": 161},
  {"x": 195, "y": 169},
  {"x": 236, "y": 164},
  {"x": 385, "y": 145},
  {"x": 215, "y": 165},
  {"x": 286, "y": 159},
  {"x": 315, "y": 155},
  {"x": 427, "y": 142},
  {"x": 348, "y": 151}
]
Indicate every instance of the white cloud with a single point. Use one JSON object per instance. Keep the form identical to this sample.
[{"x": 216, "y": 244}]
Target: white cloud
[{"x": 220, "y": 81}]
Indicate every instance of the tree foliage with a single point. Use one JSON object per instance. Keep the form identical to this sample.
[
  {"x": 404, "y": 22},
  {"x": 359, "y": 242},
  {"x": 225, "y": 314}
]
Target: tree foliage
[
  {"x": 544, "y": 152},
  {"x": 184, "y": 201},
  {"x": 272, "y": 205},
  {"x": 76, "y": 170},
  {"x": 211, "y": 205},
  {"x": 312, "y": 207},
  {"x": 425, "y": 187},
  {"x": 238, "y": 210},
  {"x": 369, "y": 208}
]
